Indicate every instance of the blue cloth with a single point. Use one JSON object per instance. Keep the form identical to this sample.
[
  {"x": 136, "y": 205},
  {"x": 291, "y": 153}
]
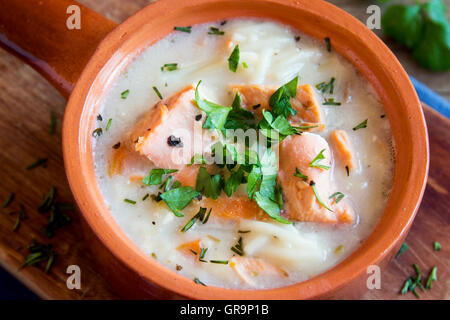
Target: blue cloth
[{"x": 431, "y": 98}]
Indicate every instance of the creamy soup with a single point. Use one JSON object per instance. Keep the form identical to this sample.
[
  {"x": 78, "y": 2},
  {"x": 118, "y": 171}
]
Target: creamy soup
[{"x": 283, "y": 214}]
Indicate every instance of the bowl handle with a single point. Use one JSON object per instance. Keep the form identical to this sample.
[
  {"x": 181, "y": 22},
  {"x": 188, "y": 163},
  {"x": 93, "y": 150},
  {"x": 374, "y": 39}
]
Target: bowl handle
[{"x": 38, "y": 32}]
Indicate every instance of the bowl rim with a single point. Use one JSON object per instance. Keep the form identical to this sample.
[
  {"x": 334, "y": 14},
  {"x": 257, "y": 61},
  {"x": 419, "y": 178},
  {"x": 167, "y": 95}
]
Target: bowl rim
[{"x": 77, "y": 157}]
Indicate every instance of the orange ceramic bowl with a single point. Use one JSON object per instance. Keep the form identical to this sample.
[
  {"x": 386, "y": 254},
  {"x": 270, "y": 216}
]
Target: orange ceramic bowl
[{"x": 133, "y": 272}]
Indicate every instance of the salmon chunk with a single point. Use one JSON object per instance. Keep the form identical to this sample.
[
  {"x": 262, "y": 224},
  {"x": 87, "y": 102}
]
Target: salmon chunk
[
  {"x": 252, "y": 270},
  {"x": 170, "y": 133},
  {"x": 342, "y": 148},
  {"x": 256, "y": 98},
  {"x": 306, "y": 104},
  {"x": 190, "y": 247},
  {"x": 301, "y": 203}
]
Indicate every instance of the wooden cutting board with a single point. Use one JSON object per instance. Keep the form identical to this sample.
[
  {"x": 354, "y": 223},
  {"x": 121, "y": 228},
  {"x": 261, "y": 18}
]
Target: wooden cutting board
[{"x": 25, "y": 104}]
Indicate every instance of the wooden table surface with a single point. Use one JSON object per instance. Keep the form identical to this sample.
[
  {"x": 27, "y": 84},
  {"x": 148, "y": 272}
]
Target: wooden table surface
[{"x": 26, "y": 100}]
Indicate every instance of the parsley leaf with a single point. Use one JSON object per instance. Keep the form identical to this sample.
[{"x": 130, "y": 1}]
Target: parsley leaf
[
  {"x": 233, "y": 60},
  {"x": 300, "y": 175},
  {"x": 155, "y": 176},
  {"x": 281, "y": 126},
  {"x": 234, "y": 181},
  {"x": 177, "y": 199},
  {"x": 239, "y": 118},
  {"x": 216, "y": 115},
  {"x": 280, "y": 99},
  {"x": 270, "y": 207},
  {"x": 253, "y": 180},
  {"x": 317, "y": 159},
  {"x": 209, "y": 185}
]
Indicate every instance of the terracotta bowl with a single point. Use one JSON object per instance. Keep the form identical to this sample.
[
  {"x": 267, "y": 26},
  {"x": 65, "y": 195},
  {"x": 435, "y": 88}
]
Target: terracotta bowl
[{"x": 60, "y": 55}]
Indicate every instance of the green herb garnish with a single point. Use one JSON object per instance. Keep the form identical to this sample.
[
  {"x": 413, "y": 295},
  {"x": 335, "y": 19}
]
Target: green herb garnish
[
  {"x": 200, "y": 216},
  {"x": 47, "y": 201},
  {"x": 38, "y": 253},
  {"x": 422, "y": 28},
  {"x": 402, "y": 249},
  {"x": 20, "y": 216},
  {"x": 271, "y": 207},
  {"x": 234, "y": 181},
  {"x": 178, "y": 198},
  {"x": 431, "y": 277},
  {"x": 313, "y": 186},
  {"x": 238, "y": 248},
  {"x": 280, "y": 99},
  {"x": 124, "y": 94},
  {"x": 108, "y": 125},
  {"x": 215, "y": 31},
  {"x": 244, "y": 65},
  {"x": 437, "y": 246},
  {"x": 37, "y": 163},
  {"x": 317, "y": 159},
  {"x": 233, "y": 60},
  {"x": 8, "y": 200},
  {"x": 157, "y": 92},
  {"x": 209, "y": 185},
  {"x": 183, "y": 29},
  {"x": 338, "y": 195},
  {"x": 330, "y": 102},
  {"x": 216, "y": 115},
  {"x": 155, "y": 176},
  {"x": 219, "y": 261},
  {"x": 300, "y": 175},
  {"x": 52, "y": 127},
  {"x": 145, "y": 197},
  {"x": 328, "y": 44},
  {"x": 326, "y": 86},
  {"x": 129, "y": 201},
  {"x": 361, "y": 125},
  {"x": 169, "y": 67},
  {"x": 197, "y": 159}
]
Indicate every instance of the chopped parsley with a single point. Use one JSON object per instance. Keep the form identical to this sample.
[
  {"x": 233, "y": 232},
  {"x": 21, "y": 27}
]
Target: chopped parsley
[
  {"x": 328, "y": 44},
  {"x": 338, "y": 195},
  {"x": 315, "y": 162},
  {"x": 199, "y": 216},
  {"x": 183, "y": 29},
  {"x": 215, "y": 31},
  {"x": 234, "y": 181},
  {"x": 209, "y": 185},
  {"x": 326, "y": 86},
  {"x": 331, "y": 102},
  {"x": 313, "y": 186},
  {"x": 124, "y": 94},
  {"x": 108, "y": 125},
  {"x": 437, "y": 246},
  {"x": 219, "y": 261},
  {"x": 280, "y": 99},
  {"x": 300, "y": 175},
  {"x": 402, "y": 249},
  {"x": 129, "y": 201},
  {"x": 431, "y": 277},
  {"x": 216, "y": 115},
  {"x": 244, "y": 65},
  {"x": 38, "y": 253},
  {"x": 157, "y": 92},
  {"x": 197, "y": 159},
  {"x": 238, "y": 248},
  {"x": 169, "y": 67},
  {"x": 233, "y": 60},
  {"x": 178, "y": 198},
  {"x": 280, "y": 125},
  {"x": 8, "y": 200},
  {"x": 155, "y": 176},
  {"x": 20, "y": 216},
  {"x": 145, "y": 197},
  {"x": 361, "y": 125}
]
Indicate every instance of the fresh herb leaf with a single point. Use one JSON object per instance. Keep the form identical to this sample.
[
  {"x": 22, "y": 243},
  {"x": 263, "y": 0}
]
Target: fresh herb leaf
[
  {"x": 233, "y": 60},
  {"x": 328, "y": 44},
  {"x": 402, "y": 249},
  {"x": 108, "y": 125},
  {"x": 300, "y": 175},
  {"x": 209, "y": 185},
  {"x": 234, "y": 181},
  {"x": 202, "y": 253},
  {"x": 155, "y": 176},
  {"x": 437, "y": 246},
  {"x": 37, "y": 163},
  {"x": 178, "y": 198},
  {"x": 316, "y": 193},
  {"x": 145, "y": 197},
  {"x": 406, "y": 285},
  {"x": 271, "y": 207},
  {"x": 8, "y": 200},
  {"x": 20, "y": 216},
  {"x": 219, "y": 261},
  {"x": 280, "y": 99},
  {"x": 239, "y": 118},
  {"x": 38, "y": 253},
  {"x": 253, "y": 180},
  {"x": 52, "y": 128},
  {"x": 215, "y": 31},
  {"x": 330, "y": 102},
  {"x": 317, "y": 159},
  {"x": 197, "y": 281},
  {"x": 326, "y": 86},
  {"x": 124, "y": 94},
  {"x": 169, "y": 67},
  {"x": 216, "y": 115},
  {"x": 431, "y": 277},
  {"x": 244, "y": 65},
  {"x": 361, "y": 125},
  {"x": 157, "y": 92},
  {"x": 200, "y": 215},
  {"x": 280, "y": 125},
  {"x": 197, "y": 159},
  {"x": 183, "y": 29},
  {"x": 238, "y": 247},
  {"x": 47, "y": 201},
  {"x": 338, "y": 195},
  {"x": 129, "y": 201}
]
